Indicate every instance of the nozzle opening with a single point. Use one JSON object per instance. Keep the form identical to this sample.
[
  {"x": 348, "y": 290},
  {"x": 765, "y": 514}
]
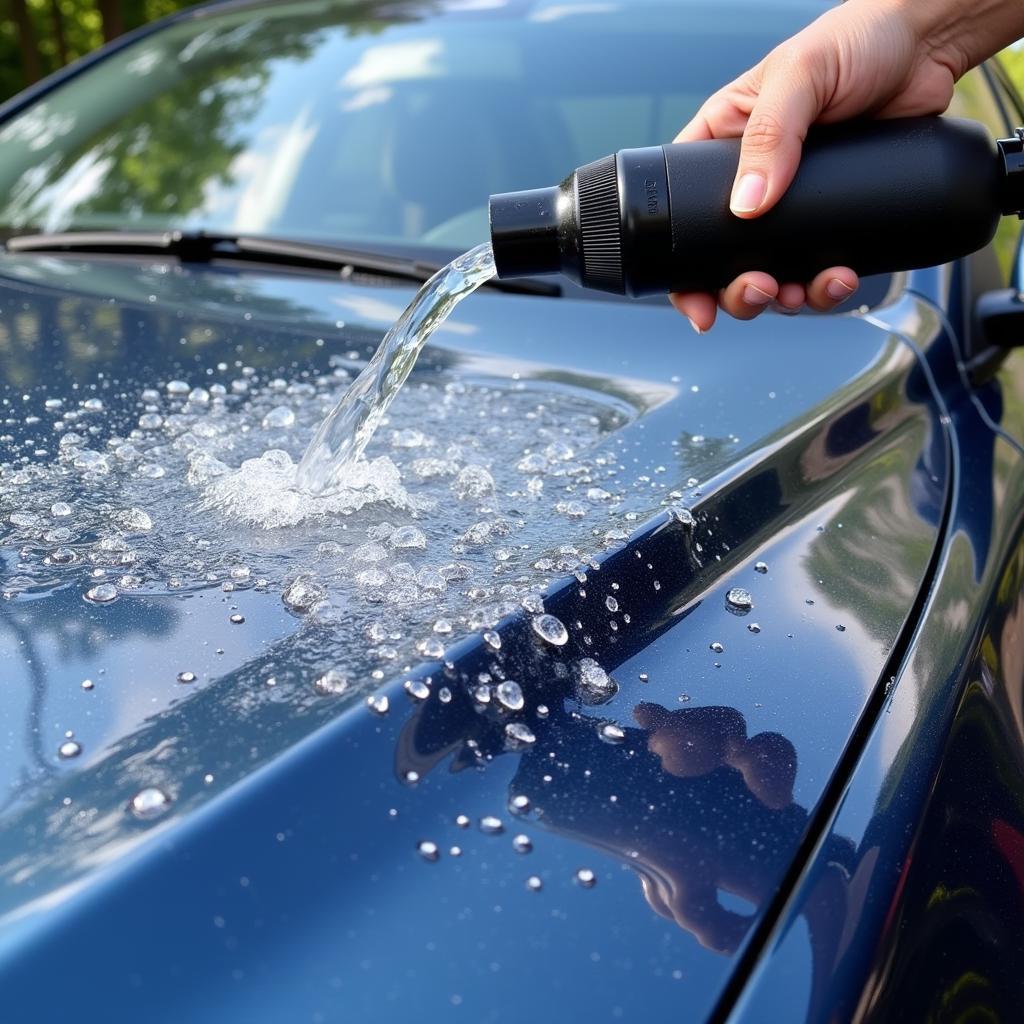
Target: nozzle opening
[
  {"x": 1012, "y": 153},
  {"x": 524, "y": 232}
]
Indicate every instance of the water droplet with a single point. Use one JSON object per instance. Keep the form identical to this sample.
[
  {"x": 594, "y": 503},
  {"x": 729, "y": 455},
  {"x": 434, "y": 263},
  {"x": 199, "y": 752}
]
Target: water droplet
[
  {"x": 586, "y": 878},
  {"x": 102, "y": 593},
  {"x": 236, "y": 619},
  {"x": 482, "y": 694},
  {"x": 519, "y": 804},
  {"x": 302, "y": 594},
  {"x": 754, "y": 627},
  {"x": 412, "y": 777},
  {"x": 490, "y": 825},
  {"x": 279, "y": 418},
  {"x": 88, "y": 684},
  {"x": 177, "y": 387},
  {"x": 716, "y": 647},
  {"x": 681, "y": 515},
  {"x": 534, "y": 884},
  {"x": 612, "y": 733},
  {"x": 431, "y": 648},
  {"x": 59, "y": 509},
  {"x": 548, "y": 628},
  {"x": 739, "y": 600},
  {"x": 522, "y": 843},
  {"x": 462, "y": 820},
  {"x": 519, "y": 735},
  {"x": 416, "y": 689},
  {"x": 510, "y": 695},
  {"x": 761, "y": 567},
  {"x": 186, "y": 677},
  {"x": 69, "y": 749},
  {"x": 331, "y": 684},
  {"x": 428, "y": 850},
  {"x": 444, "y": 695},
  {"x": 455, "y": 851},
  {"x": 378, "y": 703},
  {"x": 408, "y": 538},
  {"x": 611, "y": 603},
  {"x": 473, "y": 482},
  {"x": 532, "y": 603},
  {"x": 149, "y": 803},
  {"x": 593, "y": 685},
  {"x": 134, "y": 520},
  {"x": 841, "y": 627},
  {"x": 492, "y": 639}
]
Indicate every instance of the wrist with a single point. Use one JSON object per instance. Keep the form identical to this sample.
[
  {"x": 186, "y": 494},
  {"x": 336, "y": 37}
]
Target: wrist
[{"x": 957, "y": 34}]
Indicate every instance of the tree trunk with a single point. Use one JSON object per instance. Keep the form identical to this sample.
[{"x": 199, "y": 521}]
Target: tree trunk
[
  {"x": 57, "y": 16},
  {"x": 30, "y": 61},
  {"x": 113, "y": 18}
]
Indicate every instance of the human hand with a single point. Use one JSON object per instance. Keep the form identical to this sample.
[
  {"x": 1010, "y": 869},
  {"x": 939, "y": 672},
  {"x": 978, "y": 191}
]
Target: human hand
[{"x": 884, "y": 58}]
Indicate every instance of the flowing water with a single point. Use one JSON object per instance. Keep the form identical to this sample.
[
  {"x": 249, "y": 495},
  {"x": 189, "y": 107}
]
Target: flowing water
[{"x": 343, "y": 435}]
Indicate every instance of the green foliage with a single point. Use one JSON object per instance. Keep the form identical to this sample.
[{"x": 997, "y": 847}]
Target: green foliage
[{"x": 65, "y": 27}]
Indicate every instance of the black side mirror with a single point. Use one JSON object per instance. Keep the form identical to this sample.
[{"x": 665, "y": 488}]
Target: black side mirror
[{"x": 998, "y": 326}]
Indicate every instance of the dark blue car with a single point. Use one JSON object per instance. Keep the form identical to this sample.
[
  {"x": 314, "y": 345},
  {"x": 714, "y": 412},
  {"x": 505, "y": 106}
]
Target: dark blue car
[{"x": 636, "y": 676}]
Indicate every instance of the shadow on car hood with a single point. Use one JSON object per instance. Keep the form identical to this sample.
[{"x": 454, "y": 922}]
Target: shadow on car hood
[{"x": 317, "y": 860}]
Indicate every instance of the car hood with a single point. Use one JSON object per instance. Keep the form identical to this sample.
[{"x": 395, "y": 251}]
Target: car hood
[{"x": 286, "y": 876}]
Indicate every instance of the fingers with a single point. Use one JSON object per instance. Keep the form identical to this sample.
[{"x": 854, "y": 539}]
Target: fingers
[
  {"x": 831, "y": 287},
  {"x": 723, "y": 116},
  {"x": 786, "y": 106},
  {"x": 751, "y": 294},
  {"x": 699, "y": 308}
]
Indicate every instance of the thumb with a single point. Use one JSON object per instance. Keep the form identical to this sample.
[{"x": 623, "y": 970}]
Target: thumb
[{"x": 773, "y": 138}]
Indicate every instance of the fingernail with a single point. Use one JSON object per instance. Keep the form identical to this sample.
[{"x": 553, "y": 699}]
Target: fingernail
[
  {"x": 837, "y": 289},
  {"x": 693, "y": 324},
  {"x": 748, "y": 193},
  {"x": 754, "y": 296}
]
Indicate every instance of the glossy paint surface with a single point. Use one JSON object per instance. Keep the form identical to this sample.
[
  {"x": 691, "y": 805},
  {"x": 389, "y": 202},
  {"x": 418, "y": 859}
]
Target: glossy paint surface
[
  {"x": 923, "y": 918},
  {"x": 290, "y": 886}
]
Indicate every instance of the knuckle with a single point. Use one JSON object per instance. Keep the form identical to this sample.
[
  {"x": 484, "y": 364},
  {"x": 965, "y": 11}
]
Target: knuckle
[{"x": 764, "y": 131}]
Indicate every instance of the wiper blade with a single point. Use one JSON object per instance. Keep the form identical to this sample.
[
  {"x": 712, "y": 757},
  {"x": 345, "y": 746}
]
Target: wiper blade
[{"x": 202, "y": 247}]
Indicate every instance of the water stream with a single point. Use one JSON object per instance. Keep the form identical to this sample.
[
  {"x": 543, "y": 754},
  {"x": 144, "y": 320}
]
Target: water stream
[{"x": 346, "y": 430}]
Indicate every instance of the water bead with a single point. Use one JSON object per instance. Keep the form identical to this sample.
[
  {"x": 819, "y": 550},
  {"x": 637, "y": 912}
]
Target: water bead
[
  {"x": 593, "y": 685},
  {"x": 510, "y": 695},
  {"x": 519, "y": 735},
  {"x": 473, "y": 483},
  {"x": 332, "y": 683},
  {"x": 428, "y": 850},
  {"x": 279, "y": 418},
  {"x": 611, "y": 733},
  {"x": 738, "y": 599},
  {"x": 416, "y": 689},
  {"x": 102, "y": 593},
  {"x": 550, "y": 629},
  {"x": 522, "y": 843},
  {"x": 149, "y": 803}
]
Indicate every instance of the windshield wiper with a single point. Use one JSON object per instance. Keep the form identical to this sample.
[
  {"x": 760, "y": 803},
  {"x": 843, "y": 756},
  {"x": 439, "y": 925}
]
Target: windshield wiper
[{"x": 202, "y": 247}]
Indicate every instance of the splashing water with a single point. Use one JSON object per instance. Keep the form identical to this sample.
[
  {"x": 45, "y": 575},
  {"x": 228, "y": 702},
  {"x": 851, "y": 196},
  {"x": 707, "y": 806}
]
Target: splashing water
[{"x": 347, "y": 429}]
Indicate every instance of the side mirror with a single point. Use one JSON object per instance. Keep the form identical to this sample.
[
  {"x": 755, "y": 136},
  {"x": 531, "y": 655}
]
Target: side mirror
[{"x": 998, "y": 325}]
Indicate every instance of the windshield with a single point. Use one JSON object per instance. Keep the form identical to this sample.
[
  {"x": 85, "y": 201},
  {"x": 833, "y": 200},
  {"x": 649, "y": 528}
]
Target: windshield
[{"x": 353, "y": 123}]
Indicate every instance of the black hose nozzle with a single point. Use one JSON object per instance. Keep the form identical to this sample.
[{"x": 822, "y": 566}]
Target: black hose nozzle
[{"x": 878, "y": 196}]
